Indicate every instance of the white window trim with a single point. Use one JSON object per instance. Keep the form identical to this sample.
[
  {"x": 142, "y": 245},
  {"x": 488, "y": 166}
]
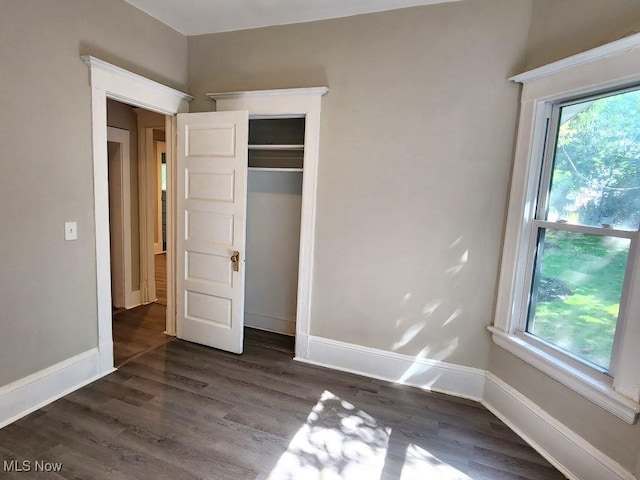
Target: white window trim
[{"x": 615, "y": 65}]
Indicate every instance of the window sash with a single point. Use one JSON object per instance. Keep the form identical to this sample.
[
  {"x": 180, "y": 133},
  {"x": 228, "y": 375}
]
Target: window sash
[
  {"x": 551, "y": 134},
  {"x": 571, "y": 227},
  {"x": 531, "y": 274},
  {"x": 539, "y": 223}
]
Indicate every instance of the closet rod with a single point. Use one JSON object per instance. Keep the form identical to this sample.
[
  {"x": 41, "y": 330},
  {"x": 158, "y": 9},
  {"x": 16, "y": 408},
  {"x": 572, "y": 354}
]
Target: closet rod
[
  {"x": 274, "y": 169},
  {"x": 276, "y": 147}
]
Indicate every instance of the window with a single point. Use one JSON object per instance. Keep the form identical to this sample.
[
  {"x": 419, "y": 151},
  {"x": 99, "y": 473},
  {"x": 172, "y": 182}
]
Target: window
[
  {"x": 569, "y": 291},
  {"x": 588, "y": 211}
]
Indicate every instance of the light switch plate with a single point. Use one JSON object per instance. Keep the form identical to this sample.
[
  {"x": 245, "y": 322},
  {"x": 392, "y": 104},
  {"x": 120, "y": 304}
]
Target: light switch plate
[{"x": 70, "y": 230}]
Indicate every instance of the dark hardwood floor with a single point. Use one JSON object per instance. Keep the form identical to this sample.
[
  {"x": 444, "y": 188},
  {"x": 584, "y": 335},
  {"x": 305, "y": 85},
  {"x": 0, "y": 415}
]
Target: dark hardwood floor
[
  {"x": 184, "y": 411},
  {"x": 142, "y": 328},
  {"x": 160, "y": 268},
  {"x": 138, "y": 330}
]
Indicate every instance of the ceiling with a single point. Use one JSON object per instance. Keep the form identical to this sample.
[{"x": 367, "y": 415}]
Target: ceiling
[{"x": 196, "y": 17}]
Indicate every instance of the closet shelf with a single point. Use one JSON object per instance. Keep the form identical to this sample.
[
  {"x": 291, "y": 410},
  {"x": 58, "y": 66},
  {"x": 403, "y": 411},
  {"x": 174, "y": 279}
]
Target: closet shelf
[
  {"x": 274, "y": 169},
  {"x": 276, "y": 147}
]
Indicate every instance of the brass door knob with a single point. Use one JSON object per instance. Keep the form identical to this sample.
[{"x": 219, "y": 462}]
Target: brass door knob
[{"x": 235, "y": 259}]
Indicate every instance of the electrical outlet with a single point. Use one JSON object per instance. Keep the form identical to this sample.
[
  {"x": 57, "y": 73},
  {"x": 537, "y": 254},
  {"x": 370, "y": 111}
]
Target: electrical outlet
[{"x": 70, "y": 230}]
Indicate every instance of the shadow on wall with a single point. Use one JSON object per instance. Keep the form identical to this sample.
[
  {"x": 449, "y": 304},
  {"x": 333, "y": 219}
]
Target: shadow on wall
[{"x": 431, "y": 316}]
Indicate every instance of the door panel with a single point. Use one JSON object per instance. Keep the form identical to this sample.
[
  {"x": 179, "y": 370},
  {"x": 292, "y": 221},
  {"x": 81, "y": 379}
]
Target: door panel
[{"x": 211, "y": 196}]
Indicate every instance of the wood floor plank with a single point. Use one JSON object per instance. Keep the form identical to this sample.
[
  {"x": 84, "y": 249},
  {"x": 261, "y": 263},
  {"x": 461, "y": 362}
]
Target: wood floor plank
[
  {"x": 191, "y": 447},
  {"x": 109, "y": 451},
  {"x": 23, "y": 442},
  {"x": 82, "y": 467},
  {"x": 400, "y": 412},
  {"x": 160, "y": 264},
  {"x": 267, "y": 419},
  {"x": 138, "y": 330},
  {"x": 225, "y": 371},
  {"x": 85, "y": 418},
  {"x": 502, "y": 461},
  {"x": 169, "y": 396},
  {"x": 222, "y": 436},
  {"x": 488, "y": 441},
  {"x": 479, "y": 471},
  {"x": 112, "y": 388},
  {"x": 183, "y": 411},
  {"x": 239, "y": 438},
  {"x": 196, "y": 456},
  {"x": 162, "y": 374}
]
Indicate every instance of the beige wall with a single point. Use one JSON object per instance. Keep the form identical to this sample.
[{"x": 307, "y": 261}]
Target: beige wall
[
  {"x": 561, "y": 28},
  {"x": 274, "y": 202},
  {"x": 415, "y": 153},
  {"x": 47, "y": 285},
  {"x": 123, "y": 116}
]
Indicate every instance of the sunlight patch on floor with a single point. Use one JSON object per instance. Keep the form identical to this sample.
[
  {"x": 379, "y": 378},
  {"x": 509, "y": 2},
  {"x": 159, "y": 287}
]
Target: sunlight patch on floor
[
  {"x": 421, "y": 465},
  {"x": 337, "y": 442},
  {"x": 341, "y": 442}
]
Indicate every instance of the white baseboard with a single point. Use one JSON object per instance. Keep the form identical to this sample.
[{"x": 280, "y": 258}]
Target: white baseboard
[
  {"x": 568, "y": 452},
  {"x": 30, "y": 393},
  {"x": 564, "y": 449},
  {"x": 132, "y": 299},
  {"x": 424, "y": 373},
  {"x": 262, "y": 322}
]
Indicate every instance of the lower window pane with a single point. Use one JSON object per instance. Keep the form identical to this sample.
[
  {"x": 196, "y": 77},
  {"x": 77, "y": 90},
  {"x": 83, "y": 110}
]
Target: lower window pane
[{"x": 576, "y": 294}]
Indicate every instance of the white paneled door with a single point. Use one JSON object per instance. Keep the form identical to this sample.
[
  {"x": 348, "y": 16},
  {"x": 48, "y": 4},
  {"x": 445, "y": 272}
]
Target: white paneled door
[{"x": 211, "y": 205}]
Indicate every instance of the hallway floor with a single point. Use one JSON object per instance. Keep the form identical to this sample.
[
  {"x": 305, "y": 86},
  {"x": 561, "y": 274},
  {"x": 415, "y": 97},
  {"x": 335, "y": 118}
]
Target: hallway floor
[{"x": 138, "y": 330}]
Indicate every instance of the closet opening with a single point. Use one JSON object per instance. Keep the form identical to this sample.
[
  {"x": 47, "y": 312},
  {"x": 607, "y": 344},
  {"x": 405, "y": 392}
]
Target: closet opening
[{"x": 274, "y": 202}]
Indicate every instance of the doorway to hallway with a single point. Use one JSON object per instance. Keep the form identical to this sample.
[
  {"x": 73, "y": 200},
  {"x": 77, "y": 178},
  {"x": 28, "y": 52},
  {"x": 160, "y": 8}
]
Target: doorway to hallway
[{"x": 137, "y": 198}]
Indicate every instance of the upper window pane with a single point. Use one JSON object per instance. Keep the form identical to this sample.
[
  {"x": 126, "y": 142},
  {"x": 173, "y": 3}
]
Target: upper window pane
[{"x": 595, "y": 179}]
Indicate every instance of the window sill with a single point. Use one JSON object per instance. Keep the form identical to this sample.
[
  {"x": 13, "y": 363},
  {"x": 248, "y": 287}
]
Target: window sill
[{"x": 599, "y": 392}]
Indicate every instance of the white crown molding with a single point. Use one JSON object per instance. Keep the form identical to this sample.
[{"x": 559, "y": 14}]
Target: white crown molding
[
  {"x": 614, "y": 48},
  {"x": 576, "y": 458},
  {"x": 432, "y": 375},
  {"x": 97, "y": 64},
  {"x": 320, "y": 91}
]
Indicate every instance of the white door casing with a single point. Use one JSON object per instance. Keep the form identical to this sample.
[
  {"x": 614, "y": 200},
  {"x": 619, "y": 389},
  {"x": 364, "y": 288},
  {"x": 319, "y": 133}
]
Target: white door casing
[
  {"x": 286, "y": 103},
  {"x": 211, "y": 205},
  {"x": 116, "y": 221},
  {"x": 110, "y": 81},
  {"x": 148, "y": 121}
]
